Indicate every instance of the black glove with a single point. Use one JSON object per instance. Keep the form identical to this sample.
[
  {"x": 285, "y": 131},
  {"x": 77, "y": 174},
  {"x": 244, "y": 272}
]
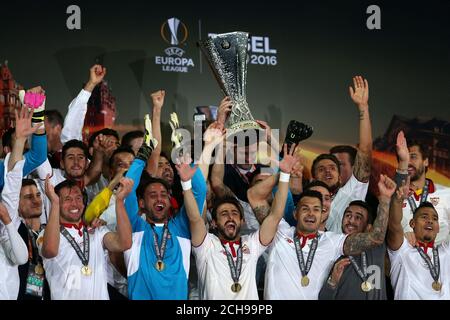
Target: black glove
[
  {"x": 144, "y": 152},
  {"x": 296, "y": 132}
]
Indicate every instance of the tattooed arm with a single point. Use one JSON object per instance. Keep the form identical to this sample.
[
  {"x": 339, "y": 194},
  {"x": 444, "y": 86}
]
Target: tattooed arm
[
  {"x": 217, "y": 176},
  {"x": 360, "y": 96},
  {"x": 258, "y": 194},
  {"x": 362, "y": 166},
  {"x": 261, "y": 211},
  {"x": 359, "y": 242}
]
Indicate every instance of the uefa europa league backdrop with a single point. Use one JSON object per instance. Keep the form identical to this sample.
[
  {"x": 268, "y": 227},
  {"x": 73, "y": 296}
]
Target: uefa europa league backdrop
[{"x": 302, "y": 59}]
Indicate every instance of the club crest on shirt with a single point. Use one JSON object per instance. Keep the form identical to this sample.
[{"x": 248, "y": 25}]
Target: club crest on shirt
[
  {"x": 434, "y": 201},
  {"x": 245, "y": 249},
  {"x": 404, "y": 204},
  {"x": 289, "y": 240}
]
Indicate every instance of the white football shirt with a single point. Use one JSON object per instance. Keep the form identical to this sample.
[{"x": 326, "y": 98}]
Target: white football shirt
[
  {"x": 411, "y": 277},
  {"x": 214, "y": 274},
  {"x": 283, "y": 273},
  {"x": 63, "y": 272}
]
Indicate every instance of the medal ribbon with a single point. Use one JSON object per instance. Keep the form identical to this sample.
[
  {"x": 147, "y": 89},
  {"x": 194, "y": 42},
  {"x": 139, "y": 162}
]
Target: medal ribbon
[
  {"x": 423, "y": 197},
  {"x": 434, "y": 269},
  {"x": 160, "y": 251},
  {"x": 362, "y": 273},
  {"x": 312, "y": 251},
  {"x": 34, "y": 256},
  {"x": 84, "y": 256},
  {"x": 235, "y": 269}
]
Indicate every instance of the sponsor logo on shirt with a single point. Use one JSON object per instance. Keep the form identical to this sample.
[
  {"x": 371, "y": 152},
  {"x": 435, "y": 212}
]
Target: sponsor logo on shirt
[{"x": 434, "y": 201}]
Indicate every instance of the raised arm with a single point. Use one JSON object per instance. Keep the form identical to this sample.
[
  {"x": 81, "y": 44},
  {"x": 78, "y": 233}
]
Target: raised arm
[
  {"x": 120, "y": 240},
  {"x": 74, "y": 120},
  {"x": 15, "y": 165},
  {"x": 10, "y": 195},
  {"x": 38, "y": 146},
  {"x": 270, "y": 224},
  {"x": 101, "y": 200},
  {"x": 395, "y": 230},
  {"x": 258, "y": 194},
  {"x": 135, "y": 173},
  {"x": 103, "y": 146},
  {"x": 196, "y": 222},
  {"x": 158, "y": 101},
  {"x": 13, "y": 246},
  {"x": 296, "y": 183},
  {"x": 213, "y": 138},
  {"x": 359, "y": 242},
  {"x": 22, "y": 131},
  {"x": 360, "y": 96},
  {"x": 224, "y": 110},
  {"x": 218, "y": 173},
  {"x": 50, "y": 246}
]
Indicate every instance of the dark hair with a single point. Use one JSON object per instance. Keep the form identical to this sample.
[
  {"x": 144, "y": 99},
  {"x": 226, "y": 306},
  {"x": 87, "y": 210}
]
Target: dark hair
[
  {"x": 227, "y": 199},
  {"x": 351, "y": 151},
  {"x": 69, "y": 183},
  {"x": 129, "y": 136},
  {"x": 324, "y": 156},
  {"x": 28, "y": 182},
  {"x": 105, "y": 132},
  {"x": 74, "y": 143},
  {"x": 425, "y": 204},
  {"x": 311, "y": 194},
  {"x": 121, "y": 149},
  {"x": 423, "y": 148},
  {"x": 164, "y": 155},
  {"x": 365, "y": 205},
  {"x": 54, "y": 117},
  {"x": 147, "y": 180},
  {"x": 317, "y": 183},
  {"x": 7, "y": 137}
]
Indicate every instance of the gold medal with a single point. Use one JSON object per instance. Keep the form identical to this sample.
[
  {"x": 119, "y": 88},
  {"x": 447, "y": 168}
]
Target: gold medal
[
  {"x": 40, "y": 241},
  {"x": 159, "y": 265},
  {"x": 38, "y": 269},
  {"x": 85, "y": 270},
  {"x": 236, "y": 287},
  {"x": 436, "y": 285},
  {"x": 366, "y": 286},
  {"x": 305, "y": 281}
]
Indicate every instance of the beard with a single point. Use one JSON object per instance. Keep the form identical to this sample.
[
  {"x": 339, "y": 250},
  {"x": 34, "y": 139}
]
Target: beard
[
  {"x": 158, "y": 217},
  {"x": 418, "y": 173},
  {"x": 334, "y": 188},
  {"x": 222, "y": 231}
]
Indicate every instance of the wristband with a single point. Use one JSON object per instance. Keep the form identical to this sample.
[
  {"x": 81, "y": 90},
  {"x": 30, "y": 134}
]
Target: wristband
[
  {"x": 402, "y": 171},
  {"x": 331, "y": 283},
  {"x": 186, "y": 185},
  {"x": 284, "y": 177}
]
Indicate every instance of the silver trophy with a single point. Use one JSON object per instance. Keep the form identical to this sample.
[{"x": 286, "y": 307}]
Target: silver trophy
[{"x": 227, "y": 56}]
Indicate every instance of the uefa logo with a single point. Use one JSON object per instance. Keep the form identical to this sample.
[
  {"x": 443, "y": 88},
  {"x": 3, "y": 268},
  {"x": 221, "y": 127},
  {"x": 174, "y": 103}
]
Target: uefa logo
[{"x": 174, "y": 32}]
